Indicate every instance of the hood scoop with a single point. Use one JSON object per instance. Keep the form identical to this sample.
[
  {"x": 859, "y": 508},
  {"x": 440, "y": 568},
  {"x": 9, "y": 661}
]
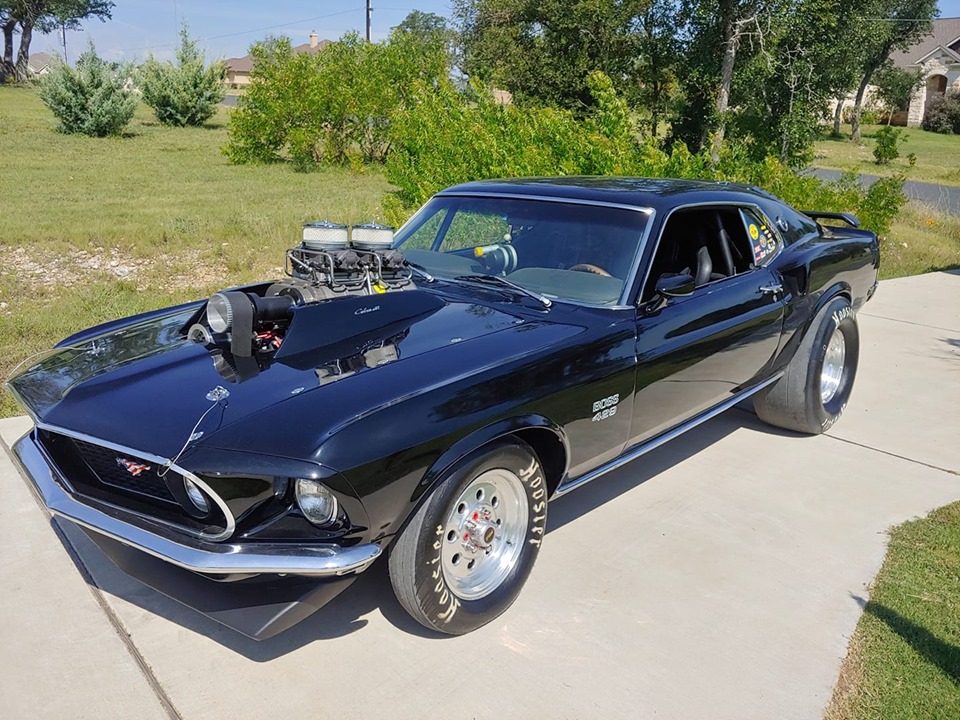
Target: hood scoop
[{"x": 320, "y": 332}]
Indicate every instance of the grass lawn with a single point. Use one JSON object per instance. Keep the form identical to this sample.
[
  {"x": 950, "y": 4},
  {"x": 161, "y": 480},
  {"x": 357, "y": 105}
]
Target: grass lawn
[
  {"x": 938, "y": 156},
  {"x": 904, "y": 659}
]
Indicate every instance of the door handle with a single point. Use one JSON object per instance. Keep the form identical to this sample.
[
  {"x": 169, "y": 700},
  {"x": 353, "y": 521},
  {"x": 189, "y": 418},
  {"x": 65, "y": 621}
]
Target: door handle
[{"x": 771, "y": 289}]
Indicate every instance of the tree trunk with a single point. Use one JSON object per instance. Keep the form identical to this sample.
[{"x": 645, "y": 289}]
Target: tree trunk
[
  {"x": 862, "y": 91},
  {"x": 6, "y": 62},
  {"x": 731, "y": 40},
  {"x": 838, "y": 117},
  {"x": 21, "y": 73}
]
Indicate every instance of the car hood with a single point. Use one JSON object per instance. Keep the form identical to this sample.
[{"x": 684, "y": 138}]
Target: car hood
[{"x": 145, "y": 386}]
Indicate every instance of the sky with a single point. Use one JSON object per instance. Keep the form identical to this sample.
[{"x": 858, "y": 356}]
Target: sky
[{"x": 227, "y": 29}]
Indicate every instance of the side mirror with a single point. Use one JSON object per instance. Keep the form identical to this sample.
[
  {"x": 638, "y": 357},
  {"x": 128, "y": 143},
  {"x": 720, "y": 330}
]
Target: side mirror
[{"x": 672, "y": 286}]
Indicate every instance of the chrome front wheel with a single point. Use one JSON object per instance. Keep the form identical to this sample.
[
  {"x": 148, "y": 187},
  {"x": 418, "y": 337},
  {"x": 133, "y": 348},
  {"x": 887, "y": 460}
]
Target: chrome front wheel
[
  {"x": 465, "y": 554},
  {"x": 484, "y": 533}
]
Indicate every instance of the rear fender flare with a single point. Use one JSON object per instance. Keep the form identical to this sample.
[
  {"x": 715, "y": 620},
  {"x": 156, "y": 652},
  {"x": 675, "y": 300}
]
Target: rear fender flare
[{"x": 838, "y": 289}]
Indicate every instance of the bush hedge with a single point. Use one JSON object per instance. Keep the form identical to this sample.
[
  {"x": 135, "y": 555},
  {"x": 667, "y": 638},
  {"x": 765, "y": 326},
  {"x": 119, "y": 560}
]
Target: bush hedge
[
  {"x": 943, "y": 115},
  {"x": 185, "y": 93},
  {"x": 90, "y": 99},
  {"x": 444, "y": 137},
  {"x": 334, "y": 106}
]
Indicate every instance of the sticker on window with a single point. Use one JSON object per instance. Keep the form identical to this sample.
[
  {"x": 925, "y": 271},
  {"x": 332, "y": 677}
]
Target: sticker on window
[{"x": 762, "y": 240}]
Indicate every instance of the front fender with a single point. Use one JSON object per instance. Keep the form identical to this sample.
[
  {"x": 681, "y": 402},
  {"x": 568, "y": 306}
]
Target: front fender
[{"x": 479, "y": 438}]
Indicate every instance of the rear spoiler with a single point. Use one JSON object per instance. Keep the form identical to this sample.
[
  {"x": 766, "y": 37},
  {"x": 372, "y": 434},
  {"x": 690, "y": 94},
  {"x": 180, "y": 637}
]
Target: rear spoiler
[{"x": 849, "y": 219}]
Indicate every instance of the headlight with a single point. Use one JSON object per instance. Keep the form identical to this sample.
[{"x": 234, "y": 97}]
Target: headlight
[
  {"x": 219, "y": 313},
  {"x": 316, "y": 502},
  {"x": 196, "y": 496}
]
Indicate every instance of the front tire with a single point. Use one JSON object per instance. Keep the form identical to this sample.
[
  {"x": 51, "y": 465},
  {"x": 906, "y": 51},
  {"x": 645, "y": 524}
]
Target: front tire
[
  {"x": 466, "y": 553},
  {"x": 816, "y": 384}
]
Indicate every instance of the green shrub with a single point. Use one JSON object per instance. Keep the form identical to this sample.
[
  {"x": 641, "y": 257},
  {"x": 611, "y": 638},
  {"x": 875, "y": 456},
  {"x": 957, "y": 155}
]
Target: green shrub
[
  {"x": 445, "y": 137},
  {"x": 889, "y": 140},
  {"x": 334, "y": 106},
  {"x": 943, "y": 115},
  {"x": 185, "y": 93},
  {"x": 90, "y": 99},
  {"x": 871, "y": 114}
]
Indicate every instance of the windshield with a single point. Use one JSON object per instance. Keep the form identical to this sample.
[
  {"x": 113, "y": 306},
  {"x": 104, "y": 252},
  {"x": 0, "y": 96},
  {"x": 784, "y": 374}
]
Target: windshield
[{"x": 565, "y": 251}]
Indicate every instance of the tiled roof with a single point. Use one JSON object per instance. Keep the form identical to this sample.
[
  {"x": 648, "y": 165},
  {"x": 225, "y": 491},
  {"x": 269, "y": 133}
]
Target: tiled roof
[{"x": 946, "y": 32}]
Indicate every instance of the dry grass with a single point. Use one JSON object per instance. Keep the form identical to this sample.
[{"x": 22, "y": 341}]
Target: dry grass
[{"x": 922, "y": 239}]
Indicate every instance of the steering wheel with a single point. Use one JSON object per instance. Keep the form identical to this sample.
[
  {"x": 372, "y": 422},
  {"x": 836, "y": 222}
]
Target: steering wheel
[{"x": 588, "y": 268}]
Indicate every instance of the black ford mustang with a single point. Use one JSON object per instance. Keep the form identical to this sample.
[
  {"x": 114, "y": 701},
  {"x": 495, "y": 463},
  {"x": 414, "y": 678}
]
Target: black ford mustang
[{"x": 428, "y": 394}]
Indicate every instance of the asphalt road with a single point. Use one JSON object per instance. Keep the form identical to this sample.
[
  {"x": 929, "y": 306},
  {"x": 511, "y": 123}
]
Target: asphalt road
[
  {"x": 719, "y": 576},
  {"x": 942, "y": 197}
]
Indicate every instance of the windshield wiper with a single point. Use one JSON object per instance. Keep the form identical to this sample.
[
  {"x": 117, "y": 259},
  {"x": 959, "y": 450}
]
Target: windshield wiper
[
  {"x": 421, "y": 271},
  {"x": 502, "y": 281}
]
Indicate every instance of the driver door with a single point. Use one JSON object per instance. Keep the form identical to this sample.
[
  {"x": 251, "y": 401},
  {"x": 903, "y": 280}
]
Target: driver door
[{"x": 697, "y": 351}]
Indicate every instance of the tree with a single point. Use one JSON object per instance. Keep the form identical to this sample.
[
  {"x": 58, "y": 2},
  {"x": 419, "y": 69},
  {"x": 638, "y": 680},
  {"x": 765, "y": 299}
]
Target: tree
[
  {"x": 895, "y": 86},
  {"x": 424, "y": 25},
  {"x": 782, "y": 87},
  {"x": 543, "y": 50},
  {"x": 89, "y": 100},
  {"x": 185, "y": 93},
  {"x": 44, "y": 16},
  {"x": 427, "y": 30},
  {"x": 891, "y": 25},
  {"x": 658, "y": 49}
]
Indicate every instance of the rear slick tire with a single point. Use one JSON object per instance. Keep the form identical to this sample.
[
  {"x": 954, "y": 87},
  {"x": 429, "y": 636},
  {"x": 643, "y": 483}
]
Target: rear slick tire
[
  {"x": 816, "y": 384},
  {"x": 466, "y": 553}
]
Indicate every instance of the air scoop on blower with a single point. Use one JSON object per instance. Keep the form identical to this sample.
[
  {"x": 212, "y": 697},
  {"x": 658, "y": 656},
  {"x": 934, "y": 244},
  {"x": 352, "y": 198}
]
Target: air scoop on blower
[{"x": 336, "y": 292}]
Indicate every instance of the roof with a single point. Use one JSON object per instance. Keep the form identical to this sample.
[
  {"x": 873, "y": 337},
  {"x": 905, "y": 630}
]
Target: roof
[
  {"x": 635, "y": 192},
  {"x": 240, "y": 64},
  {"x": 305, "y": 48},
  {"x": 946, "y": 33},
  {"x": 245, "y": 64},
  {"x": 39, "y": 61}
]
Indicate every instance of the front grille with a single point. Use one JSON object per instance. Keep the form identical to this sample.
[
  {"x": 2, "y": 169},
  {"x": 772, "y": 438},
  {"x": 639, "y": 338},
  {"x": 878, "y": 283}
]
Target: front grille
[
  {"x": 104, "y": 475},
  {"x": 125, "y": 472}
]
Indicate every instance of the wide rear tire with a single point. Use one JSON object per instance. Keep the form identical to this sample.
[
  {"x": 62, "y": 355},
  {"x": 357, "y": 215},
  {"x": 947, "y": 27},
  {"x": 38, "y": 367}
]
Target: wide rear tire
[
  {"x": 816, "y": 385},
  {"x": 466, "y": 553}
]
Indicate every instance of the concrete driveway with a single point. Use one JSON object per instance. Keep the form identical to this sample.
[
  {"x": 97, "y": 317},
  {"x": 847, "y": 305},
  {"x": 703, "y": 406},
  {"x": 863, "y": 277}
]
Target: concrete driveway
[{"x": 717, "y": 577}]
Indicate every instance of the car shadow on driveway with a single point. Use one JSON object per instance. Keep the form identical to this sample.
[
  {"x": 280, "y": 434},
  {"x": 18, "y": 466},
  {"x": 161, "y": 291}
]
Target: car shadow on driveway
[
  {"x": 608, "y": 487},
  {"x": 347, "y": 612}
]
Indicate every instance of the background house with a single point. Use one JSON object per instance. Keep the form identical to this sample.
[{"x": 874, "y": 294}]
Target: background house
[
  {"x": 40, "y": 63},
  {"x": 937, "y": 56},
  {"x": 239, "y": 68}
]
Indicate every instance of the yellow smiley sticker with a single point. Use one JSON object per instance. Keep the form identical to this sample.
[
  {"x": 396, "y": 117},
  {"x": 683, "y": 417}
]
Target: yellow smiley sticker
[{"x": 754, "y": 233}]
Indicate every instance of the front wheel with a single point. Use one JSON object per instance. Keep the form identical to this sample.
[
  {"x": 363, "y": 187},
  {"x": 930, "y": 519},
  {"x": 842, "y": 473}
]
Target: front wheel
[
  {"x": 816, "y": 384},
  {"x": 467, "y": 551}
]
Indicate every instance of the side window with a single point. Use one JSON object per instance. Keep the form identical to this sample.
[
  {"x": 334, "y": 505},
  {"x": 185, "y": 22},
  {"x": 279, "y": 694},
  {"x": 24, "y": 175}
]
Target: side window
[{"x": 708, "y": 243}]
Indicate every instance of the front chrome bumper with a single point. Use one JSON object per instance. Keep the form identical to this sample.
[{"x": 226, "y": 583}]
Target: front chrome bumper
[{"x": 210, "y": 558}]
